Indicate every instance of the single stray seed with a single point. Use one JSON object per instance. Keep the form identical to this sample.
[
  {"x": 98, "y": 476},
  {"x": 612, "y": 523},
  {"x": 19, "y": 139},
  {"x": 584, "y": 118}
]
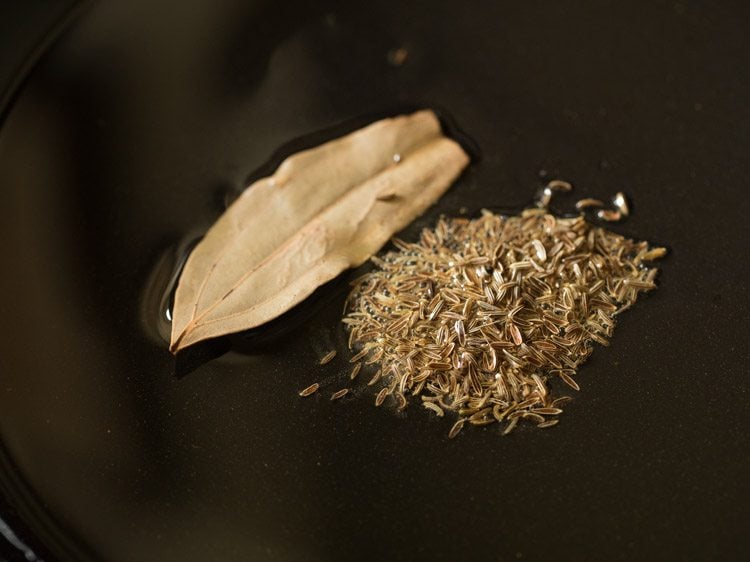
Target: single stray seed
[
  {"x": 355, "y": 371},
  {"x": 328, "y": 357},
  {"x": 339, "y": 394},
  {"x": 310, "y": 389},
  {"x": 559, "y": 185},
  {"x": 548, "y": 423},
  {"x": 561, "y": 400}
]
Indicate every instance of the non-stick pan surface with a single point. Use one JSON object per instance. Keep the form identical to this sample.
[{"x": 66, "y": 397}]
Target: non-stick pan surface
[{"x": 146, "y": 117}]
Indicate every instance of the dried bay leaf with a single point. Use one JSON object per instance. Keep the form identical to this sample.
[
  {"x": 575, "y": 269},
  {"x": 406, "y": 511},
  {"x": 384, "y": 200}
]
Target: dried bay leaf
[{"x": 324, "y": 210}]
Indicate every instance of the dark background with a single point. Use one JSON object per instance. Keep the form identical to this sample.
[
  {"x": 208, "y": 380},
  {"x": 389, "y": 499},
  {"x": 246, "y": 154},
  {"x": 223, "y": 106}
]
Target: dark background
[{"x": 144, "y": 117}]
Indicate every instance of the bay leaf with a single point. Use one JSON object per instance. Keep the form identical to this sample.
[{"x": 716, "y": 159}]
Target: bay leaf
[{"x": 324, "y": 210}]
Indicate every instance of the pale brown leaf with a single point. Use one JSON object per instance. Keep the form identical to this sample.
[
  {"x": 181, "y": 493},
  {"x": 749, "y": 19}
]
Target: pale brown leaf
[{"x": 324, "y": 210}]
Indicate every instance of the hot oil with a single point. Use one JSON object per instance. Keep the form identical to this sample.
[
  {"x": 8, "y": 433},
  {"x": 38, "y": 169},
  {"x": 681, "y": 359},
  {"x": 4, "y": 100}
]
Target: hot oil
[{"x": 157, "y": 297}]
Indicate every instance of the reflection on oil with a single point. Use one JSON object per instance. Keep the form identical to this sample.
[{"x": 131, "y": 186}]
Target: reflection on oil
[
  {"x": 17, "y": 543},
  {"x": 158, "y": 294}
]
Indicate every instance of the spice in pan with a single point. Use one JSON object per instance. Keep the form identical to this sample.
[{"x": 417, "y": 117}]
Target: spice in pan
[
  {"x": 339, "y": 394},
  {"x": 312, "y": 389},
  {"x": 483, "y": 317},
  {"x": 328, "y": 357},
  {"x": 355, "y": 371}
]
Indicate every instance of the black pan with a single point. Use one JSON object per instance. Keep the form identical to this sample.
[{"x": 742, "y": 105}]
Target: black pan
[{"x": 141, "y": 122}]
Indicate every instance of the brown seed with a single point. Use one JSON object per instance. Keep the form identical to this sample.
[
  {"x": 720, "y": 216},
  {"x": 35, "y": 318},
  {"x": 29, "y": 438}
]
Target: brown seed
[
  {"x": 587, "y": 203},
  {"x": 355, "y": 371},
  {"x": 559, "y": 185},
  {"x": 359, "y": 355},
  {"x": 380, "y": 398},
  {"x": 484, "y": 413},
  {"x": 654, "y": 254},
  {"x": 434, "y": 407},
  {"x": 339, "y": 394},
  {"x": 435, "y": 366},
  {"x": 452, "y": 296},
  {"x": 435, "y": 310},
  {"x": 375, "y": 378},
  {"x": 515, "y": 334},
  {"x": 328, "y": 357},
  {"x": 467, "y": 411},
  {"x": 548, "y": 411},
  {"x": 532, "y": 416},
  {"x": 460, "y": 333},
  {"x": 499, "y": 413},
  {"x": 402, "y": 403},
  {"x": 567, "y": 379},
  {"x": 529, "y": 402},
  {"x": 561, "y": 400},
  {"x": 312, "y": 389},
  {"x": 377, "y": 356},
  {"x": 481, "y": 421},
  {"x": 456, "y": 428},
  {"x": 609, "y": 216},
  {"x": 542, "y": 389},
  {"x": 548, "y": 423},
  {"x": 638, "y": 284},
  {"x": 468, "y": 304},
  {"x": 511, "y": 426},
  {"x": 541, "y": 252}
]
